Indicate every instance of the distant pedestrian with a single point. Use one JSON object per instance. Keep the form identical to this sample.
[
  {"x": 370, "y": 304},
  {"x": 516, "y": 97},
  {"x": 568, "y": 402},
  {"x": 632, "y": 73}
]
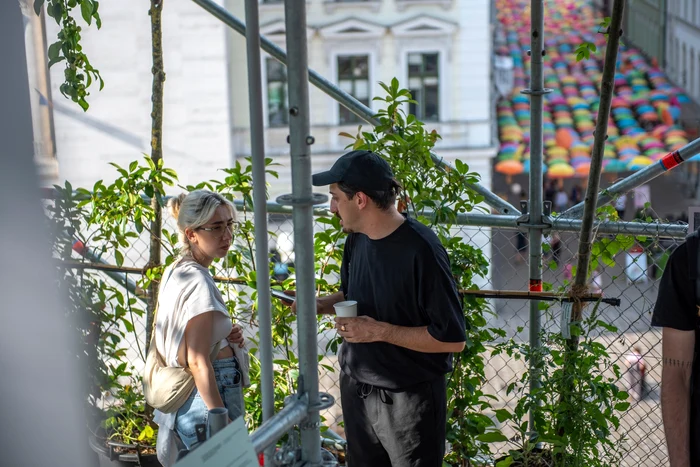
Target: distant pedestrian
[
  {"x": 561, "y": 201},
  {"x": 621, "y": 206},
  {"x": 635, "y": 373},
  {"x": 550, "y": 191},
  {"x": 520, "y": 238},
  {"x": 576, "y": 194},
  {"x": 555, "y": 245}
]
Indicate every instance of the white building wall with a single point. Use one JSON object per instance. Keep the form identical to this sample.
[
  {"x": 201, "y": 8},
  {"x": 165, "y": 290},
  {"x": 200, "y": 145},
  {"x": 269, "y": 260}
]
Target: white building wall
[
  {"x": 116, "y": 128},
  {"x": 683, "y": 45},
  {"x": 465, "y": 71}
]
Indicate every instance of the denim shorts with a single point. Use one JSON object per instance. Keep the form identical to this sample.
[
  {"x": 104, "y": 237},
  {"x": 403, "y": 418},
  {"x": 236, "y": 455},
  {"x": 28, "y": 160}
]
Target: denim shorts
[{"x": 194, "y": 411}]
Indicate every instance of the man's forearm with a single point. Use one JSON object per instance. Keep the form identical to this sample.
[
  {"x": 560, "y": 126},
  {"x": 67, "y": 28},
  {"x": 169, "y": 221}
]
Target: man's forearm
[
  {"x": 675, "y": 409},
  {"x": 416, "y": 338},
  {"x": 324, "y": 305}
]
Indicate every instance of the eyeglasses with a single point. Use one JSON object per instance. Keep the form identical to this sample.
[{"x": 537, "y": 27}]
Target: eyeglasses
[{"x": 219, "y": 230}]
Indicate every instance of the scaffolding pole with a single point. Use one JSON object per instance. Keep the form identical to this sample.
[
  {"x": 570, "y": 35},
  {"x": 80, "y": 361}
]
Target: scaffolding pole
[
  {"x": 257, "y": 146},
  {"x": 302, "y": 215},
  {"x": 345, "y": 99},
  {"x": 535, "y": 216},
  {"x": 668, "y": 162}
]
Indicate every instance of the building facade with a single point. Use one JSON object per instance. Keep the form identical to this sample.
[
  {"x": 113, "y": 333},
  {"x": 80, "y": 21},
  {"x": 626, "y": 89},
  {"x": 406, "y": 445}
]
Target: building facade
[
  {"x": 669, "y": 32},
  {"x": 683, "y": 45},
  {"x": 438, "y": 49},
  {"x": 645, "y": 26}
]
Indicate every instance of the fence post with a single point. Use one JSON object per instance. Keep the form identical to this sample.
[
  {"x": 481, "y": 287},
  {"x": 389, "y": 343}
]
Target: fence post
[
  {"x": 154, "y": 257},
  {"x": 535, "y": 216},
  {"x": 302, "y": 214},
  {"x": 262, "y": 259}
]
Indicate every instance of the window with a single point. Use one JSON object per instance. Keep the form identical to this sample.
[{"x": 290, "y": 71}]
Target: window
[
  {"x": 423, "y": 82},
  {"x": 353, "y": 78},
  {"x": 277, "y": 104}
]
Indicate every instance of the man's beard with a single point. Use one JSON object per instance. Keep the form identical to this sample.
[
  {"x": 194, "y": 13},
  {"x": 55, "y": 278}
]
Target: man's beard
[{"x": 345, "y": 229}]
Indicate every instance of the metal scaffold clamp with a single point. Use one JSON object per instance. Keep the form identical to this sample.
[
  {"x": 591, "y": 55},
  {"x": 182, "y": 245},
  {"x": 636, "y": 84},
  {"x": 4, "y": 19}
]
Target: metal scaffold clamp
[
  {"x": 289, "y": 200},
  {"x": 523, "y": 221}
]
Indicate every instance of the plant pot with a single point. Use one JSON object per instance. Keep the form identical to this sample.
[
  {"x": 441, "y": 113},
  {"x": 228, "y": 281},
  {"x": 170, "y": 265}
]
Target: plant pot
[
  {"x": 537, "y": 458},
  {"x": 113, "y": 454}
]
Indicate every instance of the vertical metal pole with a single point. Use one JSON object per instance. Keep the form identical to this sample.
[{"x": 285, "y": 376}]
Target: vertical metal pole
[
  {"x": 302, "y": 215},
  {"x": 536, "y": 92},
  {"x": 606, "y": 95},
  {"x": 257, "y": 147}
]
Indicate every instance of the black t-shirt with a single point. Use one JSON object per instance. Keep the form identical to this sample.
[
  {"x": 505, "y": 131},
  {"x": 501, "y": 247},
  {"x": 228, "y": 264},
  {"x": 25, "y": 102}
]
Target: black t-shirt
[
  {"x": 676, "y": 308},
  {"x": 402, "y": 279}
]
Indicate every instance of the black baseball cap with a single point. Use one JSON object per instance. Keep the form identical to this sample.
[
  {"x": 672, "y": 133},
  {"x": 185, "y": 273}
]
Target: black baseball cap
[{"x": 363, "y": 170}]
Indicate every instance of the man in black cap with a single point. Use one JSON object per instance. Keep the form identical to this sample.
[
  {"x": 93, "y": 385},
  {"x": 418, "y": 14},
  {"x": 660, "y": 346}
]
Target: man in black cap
[
  {"x": 677, "y": 311},
  {"x": 410, "y": 320}
]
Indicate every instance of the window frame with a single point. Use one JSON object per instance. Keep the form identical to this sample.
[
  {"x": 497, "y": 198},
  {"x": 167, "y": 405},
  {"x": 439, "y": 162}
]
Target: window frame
[
  {"x": 370, "y": 86},
  {"x": 422, "y": 77}
]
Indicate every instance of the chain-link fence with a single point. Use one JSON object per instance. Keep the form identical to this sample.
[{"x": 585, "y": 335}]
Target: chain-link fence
[{"x": 633, "y": 279}]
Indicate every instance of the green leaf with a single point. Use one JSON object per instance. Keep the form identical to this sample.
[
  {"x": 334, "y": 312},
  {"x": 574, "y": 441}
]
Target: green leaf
[
  {"x": 622, "y": 406},
  {"x": 507, "y": 462},
  {"x": 119, "y": 257},
  {"x": 492, "y": 437},
  {"x": 37, "y": 6},
  {"x": 86, "y": 11},
  {"x": 502, "y": 415},
  {"x": 146, "y": 433}
]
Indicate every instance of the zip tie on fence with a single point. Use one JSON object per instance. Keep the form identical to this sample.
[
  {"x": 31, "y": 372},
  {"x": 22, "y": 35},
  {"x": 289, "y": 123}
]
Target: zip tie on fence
[{"x": 544, "y": 296}]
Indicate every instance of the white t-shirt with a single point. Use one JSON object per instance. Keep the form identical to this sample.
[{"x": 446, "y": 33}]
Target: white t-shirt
[{"x": 187, "y": 290}]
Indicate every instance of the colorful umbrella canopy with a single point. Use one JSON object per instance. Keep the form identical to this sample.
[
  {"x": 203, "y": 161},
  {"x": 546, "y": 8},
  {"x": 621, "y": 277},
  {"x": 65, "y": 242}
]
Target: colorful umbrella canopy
[{"x": 645, "y": 107}]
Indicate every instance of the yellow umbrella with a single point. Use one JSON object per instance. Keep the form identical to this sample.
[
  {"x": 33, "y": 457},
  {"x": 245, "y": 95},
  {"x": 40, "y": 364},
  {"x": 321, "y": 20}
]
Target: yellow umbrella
[{"x": 561, "y": 171}]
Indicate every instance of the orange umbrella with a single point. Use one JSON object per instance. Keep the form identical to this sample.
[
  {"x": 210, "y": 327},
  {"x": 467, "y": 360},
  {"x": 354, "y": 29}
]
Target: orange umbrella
[
  {"x": 564, "y": 138},
  {"x": 509, "y": 168}
]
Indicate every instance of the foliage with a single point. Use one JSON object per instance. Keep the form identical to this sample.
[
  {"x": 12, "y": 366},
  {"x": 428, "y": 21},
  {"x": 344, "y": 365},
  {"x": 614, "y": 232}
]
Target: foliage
[
  {"x": 577, "y": 405},
  {"x": 585, "y": 48},
  {"x": 436, "y": 196},
  {"x": 79, "y": 74},
  {"x": 577, "y": 425},
  {"x": 104, "y": 315}
]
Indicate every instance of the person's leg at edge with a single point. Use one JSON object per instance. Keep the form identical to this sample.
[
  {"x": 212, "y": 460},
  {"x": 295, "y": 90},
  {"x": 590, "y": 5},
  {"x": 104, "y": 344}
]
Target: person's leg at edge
[
  {"x": 412, "y": 428},
  {"x": 364, "y": 448}
]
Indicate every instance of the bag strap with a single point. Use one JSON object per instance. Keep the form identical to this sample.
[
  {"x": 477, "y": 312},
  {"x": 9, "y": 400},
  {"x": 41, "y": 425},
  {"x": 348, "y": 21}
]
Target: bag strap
[{"x": 155, "y": 311}]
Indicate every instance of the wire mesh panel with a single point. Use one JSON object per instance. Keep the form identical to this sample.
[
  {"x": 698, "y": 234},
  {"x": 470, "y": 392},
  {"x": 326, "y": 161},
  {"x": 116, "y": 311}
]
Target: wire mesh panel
[{"x": 632, "y": 275}]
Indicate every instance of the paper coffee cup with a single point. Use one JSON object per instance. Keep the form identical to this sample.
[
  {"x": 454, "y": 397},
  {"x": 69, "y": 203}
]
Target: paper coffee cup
[{"x": 346, "y": 309}]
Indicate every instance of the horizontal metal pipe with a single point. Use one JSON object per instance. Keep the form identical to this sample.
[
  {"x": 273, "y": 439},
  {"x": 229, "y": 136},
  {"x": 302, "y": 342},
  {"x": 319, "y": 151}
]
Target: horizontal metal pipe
[
  {"x": 562, "y": 224},
  {"x": 119, "y": 277},
  {"x": 668, "y": 162},
  {"x": 559, "y": 223},
  {"x": 280, "y": 423},
  {"x": 345, "y": 99}
]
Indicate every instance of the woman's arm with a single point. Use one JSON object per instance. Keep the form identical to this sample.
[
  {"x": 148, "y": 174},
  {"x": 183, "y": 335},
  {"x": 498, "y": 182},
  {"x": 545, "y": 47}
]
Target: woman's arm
[{"x": 198, "y": 336}]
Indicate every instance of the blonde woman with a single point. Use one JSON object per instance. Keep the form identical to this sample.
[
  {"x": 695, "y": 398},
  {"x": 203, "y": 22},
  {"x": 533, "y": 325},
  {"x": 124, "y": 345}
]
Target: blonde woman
[{"x": 192, "y": 320}]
